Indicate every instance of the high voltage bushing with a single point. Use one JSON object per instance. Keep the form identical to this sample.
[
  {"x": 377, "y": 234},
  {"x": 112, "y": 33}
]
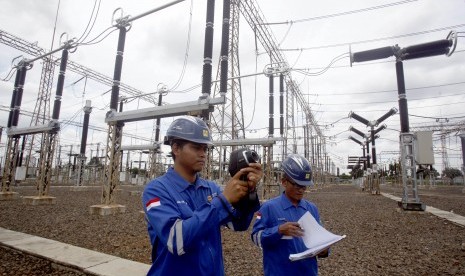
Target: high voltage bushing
[
  {"x": 379, "y": 53},
  {"x": 351, "y": 128}
]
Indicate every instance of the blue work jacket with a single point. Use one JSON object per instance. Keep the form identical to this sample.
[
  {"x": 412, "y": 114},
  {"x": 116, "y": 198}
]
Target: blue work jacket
[
  {"x": 184, "y": 221},
  {"x": 277, "y": 248}
]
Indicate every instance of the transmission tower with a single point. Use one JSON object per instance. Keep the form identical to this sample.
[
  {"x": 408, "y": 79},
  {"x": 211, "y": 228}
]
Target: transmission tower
[{"x": 256, "y": 21}]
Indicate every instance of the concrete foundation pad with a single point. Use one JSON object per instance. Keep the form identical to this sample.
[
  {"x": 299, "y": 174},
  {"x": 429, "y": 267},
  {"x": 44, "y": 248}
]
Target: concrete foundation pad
[
  {"x": 401, "y": 210},
  {"x": 105, "y": 210},
  {"x": 8, "y": 196},
  {"x": 411, "y": 206},
  {"x": 39, "y": 200}
]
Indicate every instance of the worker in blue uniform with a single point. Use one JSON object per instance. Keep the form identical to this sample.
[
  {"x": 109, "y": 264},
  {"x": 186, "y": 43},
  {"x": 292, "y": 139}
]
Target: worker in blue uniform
[
  {"x": 185, "y": 212},
  {"x": 276, "y": 229}
]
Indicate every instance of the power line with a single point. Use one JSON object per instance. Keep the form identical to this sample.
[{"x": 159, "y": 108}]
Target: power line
[
  {"x": 331, "y": 94},
  {"x": 341, "y": 13},
  {"x": 437, "y": 118},
  {"x": 373, "y": 40},
  {"x": 382, "y": 102}
]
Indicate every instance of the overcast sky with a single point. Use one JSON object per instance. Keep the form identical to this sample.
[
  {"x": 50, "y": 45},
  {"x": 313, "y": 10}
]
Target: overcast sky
[{"x": 310, "y": 34}]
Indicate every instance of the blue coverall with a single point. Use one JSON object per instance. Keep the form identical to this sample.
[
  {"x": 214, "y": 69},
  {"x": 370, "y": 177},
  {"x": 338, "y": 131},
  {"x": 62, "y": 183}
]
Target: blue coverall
[
  {"x": 276, "y": 249},
  {"x": 184, "y": 222}
]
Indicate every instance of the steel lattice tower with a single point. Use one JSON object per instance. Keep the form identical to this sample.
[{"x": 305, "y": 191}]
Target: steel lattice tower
[
  {"x": 255, "y": 19},
  {"x": 41, "y": 113}
]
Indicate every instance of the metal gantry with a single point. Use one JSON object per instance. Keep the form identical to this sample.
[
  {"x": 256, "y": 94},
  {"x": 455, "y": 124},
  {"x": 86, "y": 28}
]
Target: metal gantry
[{"x": 41, "y": 113}]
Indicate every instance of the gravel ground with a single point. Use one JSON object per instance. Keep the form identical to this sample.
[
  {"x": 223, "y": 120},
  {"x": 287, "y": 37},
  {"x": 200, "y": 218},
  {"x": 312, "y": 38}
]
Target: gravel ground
[{"x": 381, "y": 239}]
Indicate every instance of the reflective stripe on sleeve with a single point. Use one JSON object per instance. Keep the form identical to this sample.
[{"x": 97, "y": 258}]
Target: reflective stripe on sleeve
[
  {"x": 230, "y": 225},
  {"x": 176, "y": 229},
  {"x": 179, "y": 241},
  {"x": 257, "y": 238}
]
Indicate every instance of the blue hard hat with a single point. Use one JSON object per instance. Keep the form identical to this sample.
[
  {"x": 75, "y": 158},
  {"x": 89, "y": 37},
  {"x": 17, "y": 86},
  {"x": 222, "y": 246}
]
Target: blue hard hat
[
  {"x": 189, "y": 128},
  {"x": 298, "y": 169}
]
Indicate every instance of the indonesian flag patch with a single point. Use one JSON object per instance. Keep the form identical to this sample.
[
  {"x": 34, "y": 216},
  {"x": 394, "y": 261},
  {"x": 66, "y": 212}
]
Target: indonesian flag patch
[
  {"x": 154, "y": 202},
  {"x": 259, "y": 215}
]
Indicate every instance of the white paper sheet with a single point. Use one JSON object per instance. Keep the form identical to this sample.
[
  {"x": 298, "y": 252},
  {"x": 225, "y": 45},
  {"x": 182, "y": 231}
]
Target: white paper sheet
[{"x": 316, "y": 237}]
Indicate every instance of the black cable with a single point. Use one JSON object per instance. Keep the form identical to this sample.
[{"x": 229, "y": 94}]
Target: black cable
[
  {"x": 93, "y": 41},
  {"x": 342, "y": 56},
  {"x": 186, "y": 54},
  {"x": 89, "y": 23}
]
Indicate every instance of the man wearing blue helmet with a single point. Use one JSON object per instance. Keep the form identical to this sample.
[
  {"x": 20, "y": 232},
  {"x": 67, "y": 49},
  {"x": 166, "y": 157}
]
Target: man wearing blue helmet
[
  {"x": 276, "y": 230},
  {"x": 184, "y": 212}
]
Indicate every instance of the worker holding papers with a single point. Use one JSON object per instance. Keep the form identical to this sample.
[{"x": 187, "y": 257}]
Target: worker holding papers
[{"x": 287, "y": 227}]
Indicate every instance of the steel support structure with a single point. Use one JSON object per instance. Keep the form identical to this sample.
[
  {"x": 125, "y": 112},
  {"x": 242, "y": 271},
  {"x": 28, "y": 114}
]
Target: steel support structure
[
  {"x": 410, "y": 199},
  {"x": 10, "y": 163},
  {"x": 42, "y": 111},
  {"x": 82, "y": 152},
  {"x": 46, "y": 159},
  {"x": 115, "y": 129},
  {"x": 256, "y": 21},
  {"x": 34, "y": 50},
  {"x": 268, "y": 173},
  {"x": 11, "y": 151},
  {"x": 290, "y": 137},
  {"x": 50, "y": 137}
]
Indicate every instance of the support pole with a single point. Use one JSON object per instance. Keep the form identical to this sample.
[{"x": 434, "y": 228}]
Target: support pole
[
  {"x": 410, "y": 199},
  {"x": 49, "y": 141},
  {"x": 207, "y": 55},
  {"x": 281, "y": 105},
  {"x": 271, "y": 106},
  {"x": 462, "y": 140},
  {"x": 82, "y": 153},
  {"x": 11, "y": 153},
  {"x": 115, "y": 130}
]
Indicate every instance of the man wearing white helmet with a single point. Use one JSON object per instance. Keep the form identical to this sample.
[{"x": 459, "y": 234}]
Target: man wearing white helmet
[
  {"x": 184, "y": 212},
  {"x": 276, "y": 230}
]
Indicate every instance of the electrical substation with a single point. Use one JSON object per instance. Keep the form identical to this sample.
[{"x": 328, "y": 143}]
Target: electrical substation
[{"x": 117, "y": 152}]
